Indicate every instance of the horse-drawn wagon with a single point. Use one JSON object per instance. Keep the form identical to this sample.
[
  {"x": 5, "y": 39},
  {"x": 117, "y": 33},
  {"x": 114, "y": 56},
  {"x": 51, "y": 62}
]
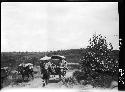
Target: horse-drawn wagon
[
  {"x": 54, "y": 65},
  {"x": 25, "y": 70}
]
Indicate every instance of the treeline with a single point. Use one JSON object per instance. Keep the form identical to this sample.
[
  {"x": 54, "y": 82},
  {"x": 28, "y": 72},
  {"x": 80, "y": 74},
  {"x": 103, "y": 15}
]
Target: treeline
[{"x": 12, "y": 59}]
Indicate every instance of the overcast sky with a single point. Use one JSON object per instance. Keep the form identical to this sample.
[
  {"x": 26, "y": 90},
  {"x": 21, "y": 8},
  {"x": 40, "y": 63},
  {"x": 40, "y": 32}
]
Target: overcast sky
[{"x": 42, "y": 26}]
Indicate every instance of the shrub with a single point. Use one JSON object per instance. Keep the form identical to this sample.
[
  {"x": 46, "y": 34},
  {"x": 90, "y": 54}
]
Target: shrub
[
  {"x": 99, "y": 56},
  {"x": 101, "y": 81},
  {"x": 78, "y": 75},
  {"x": 69, "y": 82},
  {"x": 94, "y": 78}
]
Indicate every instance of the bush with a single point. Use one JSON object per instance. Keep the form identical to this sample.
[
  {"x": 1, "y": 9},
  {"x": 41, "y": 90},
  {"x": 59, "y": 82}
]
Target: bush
[
  {"x": 102, "y": 81},
  {"x": 94, "y": 78},
  {"x": 78, "y": 75},
  {"x": 69, "y": 82},
  {"x": 99, "y": 56}
]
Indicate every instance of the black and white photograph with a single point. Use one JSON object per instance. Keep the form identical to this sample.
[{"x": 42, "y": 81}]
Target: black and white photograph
[{"x": 60, "y": 45}]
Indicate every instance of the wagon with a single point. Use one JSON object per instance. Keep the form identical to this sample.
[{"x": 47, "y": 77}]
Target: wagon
[
  {"x": 57, "y": 60},
  {"x": 55, "y": 66}
]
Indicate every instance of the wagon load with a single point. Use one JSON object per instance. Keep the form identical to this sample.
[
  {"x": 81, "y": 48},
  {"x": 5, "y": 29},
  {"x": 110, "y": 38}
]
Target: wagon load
[{"x": 57, "y": 60}]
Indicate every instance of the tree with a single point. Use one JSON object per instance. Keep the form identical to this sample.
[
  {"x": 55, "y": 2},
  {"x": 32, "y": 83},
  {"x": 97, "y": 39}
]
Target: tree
[{"x": 99, "y": 56}]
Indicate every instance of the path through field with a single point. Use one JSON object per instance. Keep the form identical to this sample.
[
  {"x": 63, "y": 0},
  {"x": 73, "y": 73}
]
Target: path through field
[
  {"x": 54, "y": 82},
  {"x": 37, "y": 82}
]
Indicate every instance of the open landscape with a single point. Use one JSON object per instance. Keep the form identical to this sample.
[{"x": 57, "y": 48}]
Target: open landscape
[
  {"x": 59, "y": 45},
  {"x": 73, "y": 56}
]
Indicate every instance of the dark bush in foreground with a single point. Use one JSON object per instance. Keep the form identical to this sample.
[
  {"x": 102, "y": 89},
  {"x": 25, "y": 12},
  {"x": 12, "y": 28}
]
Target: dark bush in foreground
[
  {"x": 78, "y": 75},
  {"x": 95, "y": 79},
  {"x": 69, "y": 82},
  {"x": 101, "y": 81}
]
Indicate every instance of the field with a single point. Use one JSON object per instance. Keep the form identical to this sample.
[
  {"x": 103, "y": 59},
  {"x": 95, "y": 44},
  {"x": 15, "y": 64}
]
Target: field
[{"x": 13, "y": 59}]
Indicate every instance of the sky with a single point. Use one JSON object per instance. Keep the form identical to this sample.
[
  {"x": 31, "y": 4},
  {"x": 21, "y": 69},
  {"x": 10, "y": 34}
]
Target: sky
[{"x": 45, "y": 26}]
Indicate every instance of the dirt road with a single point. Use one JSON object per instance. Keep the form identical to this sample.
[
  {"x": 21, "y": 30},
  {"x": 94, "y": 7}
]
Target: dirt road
[{"x": 37, "y": 82}]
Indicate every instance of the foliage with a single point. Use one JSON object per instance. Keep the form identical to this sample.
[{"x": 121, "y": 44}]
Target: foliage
[
  {"x": 95, "y": 79},
  {"x": 78, "y": 75},
  {"x": 69, "y": 82},
  {"x": 99, "y": 56}
]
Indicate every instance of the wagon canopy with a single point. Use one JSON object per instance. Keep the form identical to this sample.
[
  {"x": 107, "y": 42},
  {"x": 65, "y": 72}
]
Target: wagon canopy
[
  {"x": 45, "y": 58},
  {"x": 57, "y": 57}
]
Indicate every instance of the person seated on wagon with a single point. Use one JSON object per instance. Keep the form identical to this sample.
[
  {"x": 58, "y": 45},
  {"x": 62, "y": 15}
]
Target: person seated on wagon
[
  {"x": 64, "y": 64},
  {"x": 53, "y": 67},
  {"x": 48, "y": 65}
]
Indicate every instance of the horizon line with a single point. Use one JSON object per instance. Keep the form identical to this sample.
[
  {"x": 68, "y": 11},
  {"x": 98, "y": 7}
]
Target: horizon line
[{"x": 49, "y": 50}]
